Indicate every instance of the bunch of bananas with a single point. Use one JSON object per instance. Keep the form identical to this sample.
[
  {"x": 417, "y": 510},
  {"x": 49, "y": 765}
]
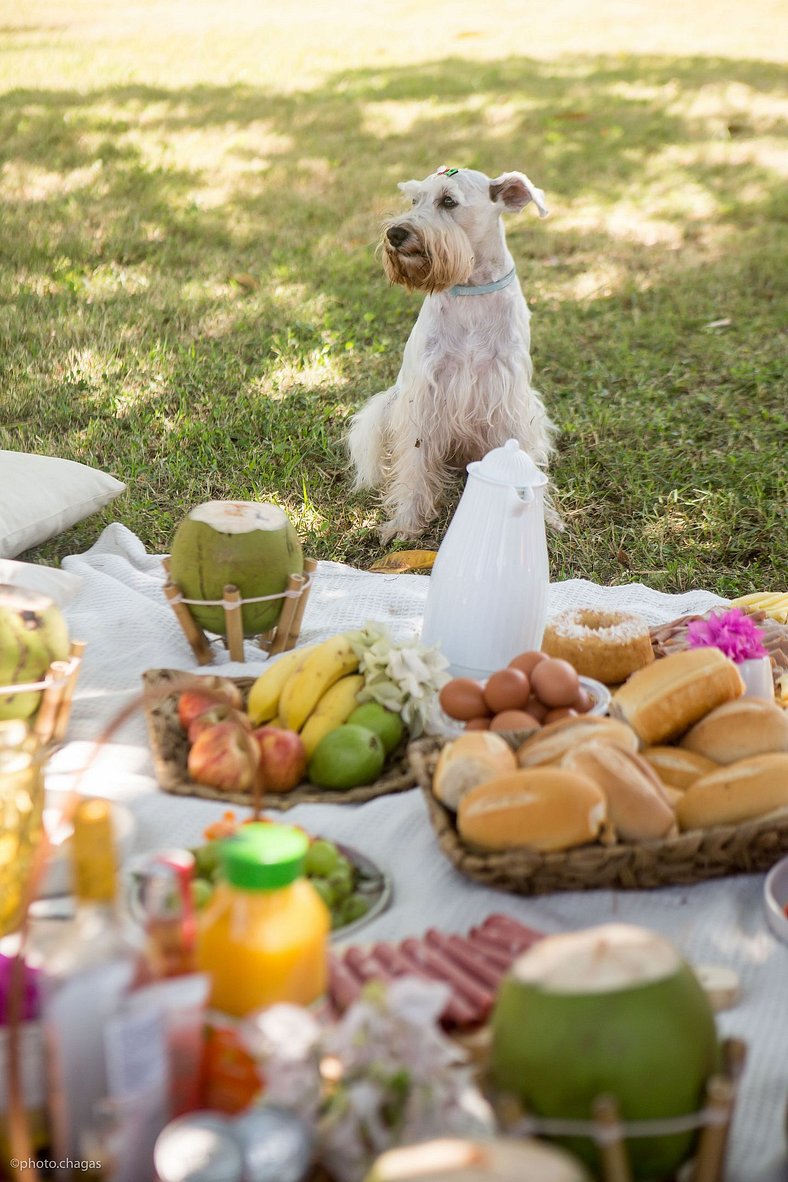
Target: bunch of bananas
[
  {"x": 311, "y": 690},
  {"x": 773, "y": 603}
]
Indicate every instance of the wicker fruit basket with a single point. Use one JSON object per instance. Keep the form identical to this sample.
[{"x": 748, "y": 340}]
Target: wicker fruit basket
[
  {"x": 170, "y": 749},
  {"x": 690, "y": 857}
]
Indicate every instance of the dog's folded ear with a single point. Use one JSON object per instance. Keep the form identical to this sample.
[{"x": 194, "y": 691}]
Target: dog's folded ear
[
  {"x": 514, "y": 191},
  {"x": 409, "y": 188}
]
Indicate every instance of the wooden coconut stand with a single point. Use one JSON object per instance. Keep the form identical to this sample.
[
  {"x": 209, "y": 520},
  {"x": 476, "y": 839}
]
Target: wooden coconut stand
[
  {"x": 57, "y": 688},
  {"x": 609, "y": 1131},
  {"x": 279, "y": 639}
]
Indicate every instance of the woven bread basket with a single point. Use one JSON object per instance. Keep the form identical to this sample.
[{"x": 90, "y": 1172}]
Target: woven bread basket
[
  {"x": 693, "y": 856},
  {"x": 170, "y": 749}
]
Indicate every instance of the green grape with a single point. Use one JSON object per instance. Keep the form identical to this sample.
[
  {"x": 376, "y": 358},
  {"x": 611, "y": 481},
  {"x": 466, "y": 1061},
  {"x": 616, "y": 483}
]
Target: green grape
[
  {"x": 202, "y": 892},
  {"x": 321, "y": 858},
  {"x": 342, "y": 880},
  {"x": 354, "y": 907},
  {"x": 325, "y": 890},
  {"x": 206, "y": 860}
]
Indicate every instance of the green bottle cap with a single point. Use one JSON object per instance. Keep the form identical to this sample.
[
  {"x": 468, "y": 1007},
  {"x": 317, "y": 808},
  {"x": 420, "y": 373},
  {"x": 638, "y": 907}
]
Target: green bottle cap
[{"x": 263, "y": 856}]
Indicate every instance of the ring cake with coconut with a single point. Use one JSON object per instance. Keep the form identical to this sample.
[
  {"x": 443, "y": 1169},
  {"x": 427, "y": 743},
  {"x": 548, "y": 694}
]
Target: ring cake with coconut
[{"x": 605, "y": 645}]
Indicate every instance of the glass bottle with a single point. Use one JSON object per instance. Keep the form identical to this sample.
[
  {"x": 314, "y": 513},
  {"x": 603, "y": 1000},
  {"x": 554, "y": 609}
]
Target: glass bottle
[
  {"x": 163, "y": 903},
  {"x": 21, "y": 812},
  {"x": 88, "y": 971}
]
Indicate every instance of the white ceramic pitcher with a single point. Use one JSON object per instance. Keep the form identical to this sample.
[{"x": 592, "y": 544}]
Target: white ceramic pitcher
[{"x": 487, "y": 599}]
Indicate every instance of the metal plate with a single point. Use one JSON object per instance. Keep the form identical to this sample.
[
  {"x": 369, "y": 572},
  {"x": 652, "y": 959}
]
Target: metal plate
[
  {"x": 372, "y": 882},
  {"x": 381, "y": 889}
]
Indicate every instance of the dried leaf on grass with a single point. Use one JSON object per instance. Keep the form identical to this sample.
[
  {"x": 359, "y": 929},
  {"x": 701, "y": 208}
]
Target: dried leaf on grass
[{"x": 399, "y": 561}]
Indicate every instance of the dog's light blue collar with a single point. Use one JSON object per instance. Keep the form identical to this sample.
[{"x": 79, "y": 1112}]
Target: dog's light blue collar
[{"x": 484, "y": 288}]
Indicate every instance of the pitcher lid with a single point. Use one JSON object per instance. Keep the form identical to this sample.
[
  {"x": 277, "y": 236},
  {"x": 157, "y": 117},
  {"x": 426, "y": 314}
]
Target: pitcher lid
[{"x": 509, "y": 465}]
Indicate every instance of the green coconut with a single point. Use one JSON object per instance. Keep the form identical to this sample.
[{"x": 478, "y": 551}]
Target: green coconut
[
  {"x": 500, "y": 1159},
  {"x": 251, "y": 546},
  {"x": 610, "y": 1010},
  {"x": 33, "y": 634}
]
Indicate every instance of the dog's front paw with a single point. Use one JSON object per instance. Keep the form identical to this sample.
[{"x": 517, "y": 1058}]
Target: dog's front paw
[{"x": 396, "y": 530}]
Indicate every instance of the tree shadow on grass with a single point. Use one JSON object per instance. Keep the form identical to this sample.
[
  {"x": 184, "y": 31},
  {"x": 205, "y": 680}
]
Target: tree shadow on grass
[{"x": 128, "y": 210}]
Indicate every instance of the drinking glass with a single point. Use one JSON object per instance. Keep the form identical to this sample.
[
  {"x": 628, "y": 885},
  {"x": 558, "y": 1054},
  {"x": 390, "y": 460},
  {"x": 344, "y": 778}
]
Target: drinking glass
[{"x": 21, "y": 812}]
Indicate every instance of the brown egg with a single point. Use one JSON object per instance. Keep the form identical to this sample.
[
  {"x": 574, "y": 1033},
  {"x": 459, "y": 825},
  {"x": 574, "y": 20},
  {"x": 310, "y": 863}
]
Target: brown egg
[
  {"x": 559, "y": 713},
  {"x": 508, "y": 689},
  {"x": 513, "y": 720},
  {"x": 478, "y": 724},
  {"x": 527, "y": 661},
  {"x": 462, "y": 698},
  {"x": 583, "y": 702},
  {"x": 555, "y": 682},
  {"x": 536, "y": 708}
]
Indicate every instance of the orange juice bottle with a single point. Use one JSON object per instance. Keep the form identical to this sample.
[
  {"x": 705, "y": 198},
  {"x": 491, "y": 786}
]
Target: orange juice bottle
[{"x": 264, "y": 936}]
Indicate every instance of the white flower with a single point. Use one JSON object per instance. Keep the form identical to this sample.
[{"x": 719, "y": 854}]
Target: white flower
[{"x": 403, "y": 676}]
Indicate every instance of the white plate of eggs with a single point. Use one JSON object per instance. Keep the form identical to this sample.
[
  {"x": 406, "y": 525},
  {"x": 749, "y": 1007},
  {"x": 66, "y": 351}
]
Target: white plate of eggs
[{"x": 533, "y": 690}]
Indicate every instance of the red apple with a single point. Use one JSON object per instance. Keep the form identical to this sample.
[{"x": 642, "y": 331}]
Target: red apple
[
  {"x": 202, "y": 695},
  {"x": 219, "y": 712},
  {"x": 283, "y": 758},
  {"x": 225, "y": 756}
]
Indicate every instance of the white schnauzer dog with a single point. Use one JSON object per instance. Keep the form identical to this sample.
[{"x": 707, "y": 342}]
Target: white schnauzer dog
[{"x": 465, "y": 382}]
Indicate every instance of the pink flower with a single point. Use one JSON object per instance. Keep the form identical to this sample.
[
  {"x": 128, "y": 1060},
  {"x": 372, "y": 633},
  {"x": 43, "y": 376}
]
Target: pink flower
[
  {"x": 733, "y": 633},
  {"x": 30, "y": 991}
]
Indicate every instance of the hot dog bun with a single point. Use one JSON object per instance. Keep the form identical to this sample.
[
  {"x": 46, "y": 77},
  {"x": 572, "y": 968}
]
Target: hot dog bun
[
  {"x": 551, "y": 743},
  {"x": 545, "y": 808},
  {"x": 663, "y": 700},
  {"x": 637, "y": 806},
  {"x": 678, "y": 768},
  {"x": 741, "y": 791},
  {"x": 737, "y": 730},
  {"x": 467, "y": 761}
]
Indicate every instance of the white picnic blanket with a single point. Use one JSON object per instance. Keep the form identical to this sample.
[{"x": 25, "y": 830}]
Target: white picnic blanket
[{"x": 121, "y": 613}]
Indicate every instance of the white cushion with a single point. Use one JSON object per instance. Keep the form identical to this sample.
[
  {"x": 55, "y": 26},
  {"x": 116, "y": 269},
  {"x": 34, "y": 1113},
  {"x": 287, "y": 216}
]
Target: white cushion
[
  {"x": 58, "y": 584},
  {"x": 40, "y": 496}
]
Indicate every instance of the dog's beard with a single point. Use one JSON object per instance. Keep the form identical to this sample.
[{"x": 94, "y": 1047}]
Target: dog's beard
[{"x": 428, "y": 262}]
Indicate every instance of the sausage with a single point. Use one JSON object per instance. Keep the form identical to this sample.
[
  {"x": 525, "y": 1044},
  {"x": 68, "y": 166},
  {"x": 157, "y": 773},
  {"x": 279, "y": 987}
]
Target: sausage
[
  {"x": 497, "y": 955},
  {"x": 458, "y": 1011},
  {"x": 452, "y": 973},
  {"x": 506, "y": 923},
  {"x": 463, "y": 954},
  {"x": 344, "y": 986},
  {"x": 365, "y": 966}
]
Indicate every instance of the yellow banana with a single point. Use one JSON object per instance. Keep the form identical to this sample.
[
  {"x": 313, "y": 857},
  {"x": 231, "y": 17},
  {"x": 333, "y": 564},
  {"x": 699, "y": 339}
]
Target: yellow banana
[
  {"x": 324, "y": 666},
  {"x": 772, "y": 603},
  {"x": 334, "y": 708},
  {"x": 761, "y": 599},
  {"x": 263, "y": 700}
]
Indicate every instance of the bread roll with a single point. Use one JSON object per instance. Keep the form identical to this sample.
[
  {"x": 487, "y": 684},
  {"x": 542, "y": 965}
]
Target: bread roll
[
  {"x": 740, "y": 791},
  {"x": 637, "y": 807},
  {"x": 551, "y": 743},
  {"x": 666, "y": 698},
  {"x": 676, "y": 767},
  {"x": 470, "y": 760},
  {"x": 737, "y": 730},
  {"x": 545, "y": 808}
]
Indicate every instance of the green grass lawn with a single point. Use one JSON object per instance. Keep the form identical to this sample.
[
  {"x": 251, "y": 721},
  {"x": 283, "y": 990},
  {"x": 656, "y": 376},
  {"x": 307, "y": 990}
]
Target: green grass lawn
[{"x": 190, "y": 198}]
